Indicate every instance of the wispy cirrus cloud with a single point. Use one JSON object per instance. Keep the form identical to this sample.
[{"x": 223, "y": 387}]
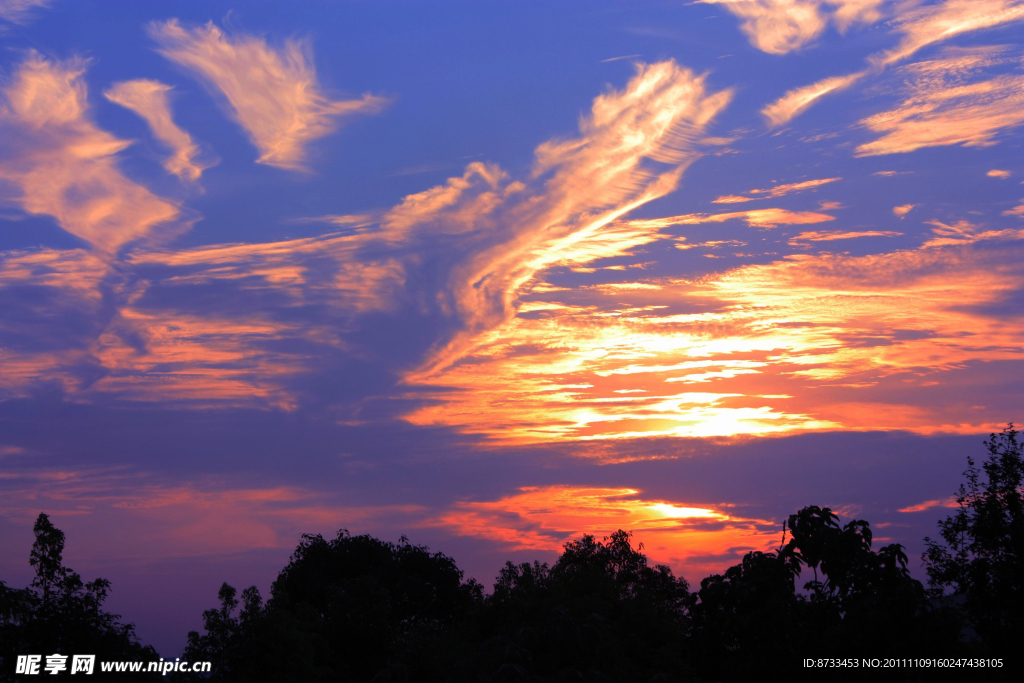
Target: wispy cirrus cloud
[
  {"x": 272, "y": 93},
  {"x": 233, "y": 324},
  {"x": 64, "y": 166},
  {"x": 945, "y": 103},
  {"x": 774, "y": 192},
  {"x": 920, "y": 27},
  {"x": 964, "y": 232},
  {"x": 819, "y": 236},
  {"x": 20, "y": 11},
  {"x": 934, "y": 23},
  {"x": 798, "y": 100},
  {"x": 149, "y": 99},
  {"x": 632, "y": 148}
]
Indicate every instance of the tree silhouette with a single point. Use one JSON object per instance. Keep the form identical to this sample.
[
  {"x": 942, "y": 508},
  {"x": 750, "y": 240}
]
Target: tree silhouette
[
  {"x": 856, "y": 601},
  {"x": 353, "y": 608},
  {"x": 862, "y": 598},
  {"x": 981, "y": 555},
  {"x": 59, "y": 613},
  {"x": 599, "y": 614},
  {"x": 746, "y": 616}
]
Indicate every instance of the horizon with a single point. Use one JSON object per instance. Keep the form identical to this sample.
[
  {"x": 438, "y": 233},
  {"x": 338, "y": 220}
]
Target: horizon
[{"x": 495, "y": 276}]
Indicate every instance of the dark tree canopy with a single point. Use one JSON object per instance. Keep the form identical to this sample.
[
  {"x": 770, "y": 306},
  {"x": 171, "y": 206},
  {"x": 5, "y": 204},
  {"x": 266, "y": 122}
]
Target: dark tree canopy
[
  {"x": 600, "y": 613},
  {"x": 352, "y": 608},
  {"x": 856, "y": 600},
  {"x": 981, "y": 554},
  {"x": 59, "y": 613}
]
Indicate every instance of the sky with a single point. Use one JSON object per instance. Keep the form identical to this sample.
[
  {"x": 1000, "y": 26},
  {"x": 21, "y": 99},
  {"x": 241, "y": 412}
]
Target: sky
[{"x": 493, "y": 275}]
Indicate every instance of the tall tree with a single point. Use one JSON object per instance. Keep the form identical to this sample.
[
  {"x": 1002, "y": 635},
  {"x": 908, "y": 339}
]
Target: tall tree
[
  {"x": 981, "y": 554},
  {"x": 60, "y": 614}
]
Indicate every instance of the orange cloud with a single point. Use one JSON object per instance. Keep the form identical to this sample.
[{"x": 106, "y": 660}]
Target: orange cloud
[
  {"x": 696, "y": 539},
  {"x": 64, "y": 166},
  {"x": 632, "y": 148},
  {"x": 797, "y": 344},
  {"x": 929, "y": 504},
  {"x": 997, "y": 173},
  {"x": 963, "y": 232},
  {"x": 273, "y": 94},
  {"x": 902, "y": 210},
  {"x": 185, "y": 352},
  {"x": 149, "y": 100},
  {"x": 732, "y": 199}
]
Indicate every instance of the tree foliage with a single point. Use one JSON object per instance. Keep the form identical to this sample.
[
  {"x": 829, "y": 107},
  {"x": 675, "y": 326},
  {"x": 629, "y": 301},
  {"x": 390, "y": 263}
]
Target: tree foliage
[{"x": 981, "y": 554}]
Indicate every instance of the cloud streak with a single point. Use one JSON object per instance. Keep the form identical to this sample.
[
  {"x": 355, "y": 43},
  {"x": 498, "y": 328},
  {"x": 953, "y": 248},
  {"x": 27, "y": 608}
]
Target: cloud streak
[
  {"x": 799, "y": 100},
  {"x": 272, "y": 93},
  {"x": 149, "y": 99},
  {"x": 755, "y": 218},
  {"x": 775, "y": 192}
]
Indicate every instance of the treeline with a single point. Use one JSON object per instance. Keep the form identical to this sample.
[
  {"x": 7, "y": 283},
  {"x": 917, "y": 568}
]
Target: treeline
[{"x": 354, "y": 608}]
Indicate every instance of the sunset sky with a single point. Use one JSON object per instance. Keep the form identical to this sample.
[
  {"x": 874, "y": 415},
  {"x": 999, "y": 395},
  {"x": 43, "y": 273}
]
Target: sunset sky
[{"x": 496, "y": 274}]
